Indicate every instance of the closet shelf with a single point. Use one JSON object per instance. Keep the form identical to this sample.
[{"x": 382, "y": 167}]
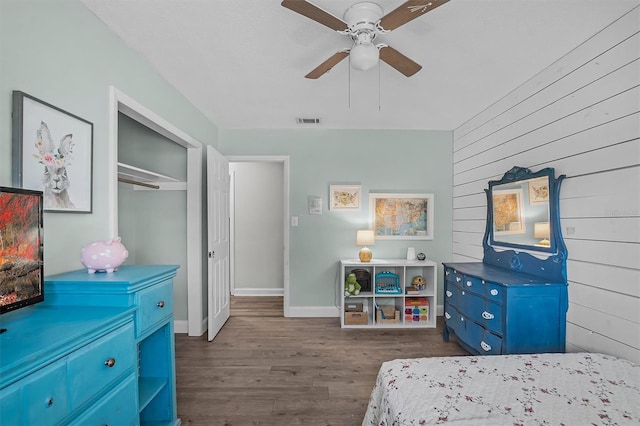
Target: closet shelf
[{"x": 127, "y": 171}]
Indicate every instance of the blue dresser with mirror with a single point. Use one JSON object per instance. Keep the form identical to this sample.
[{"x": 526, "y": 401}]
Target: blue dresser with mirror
[{"x": 516, "y": 299}]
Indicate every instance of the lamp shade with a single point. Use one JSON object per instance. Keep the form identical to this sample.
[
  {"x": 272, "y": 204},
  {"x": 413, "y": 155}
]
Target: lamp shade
[
  {"x": 541, "y": 230},
  {"x": 365, "y": 237},
  {"x": 364, "y": 56}
]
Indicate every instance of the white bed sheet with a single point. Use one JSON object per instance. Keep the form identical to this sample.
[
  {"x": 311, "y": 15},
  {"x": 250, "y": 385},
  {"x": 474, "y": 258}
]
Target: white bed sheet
[{"x": 542, "y": 389}]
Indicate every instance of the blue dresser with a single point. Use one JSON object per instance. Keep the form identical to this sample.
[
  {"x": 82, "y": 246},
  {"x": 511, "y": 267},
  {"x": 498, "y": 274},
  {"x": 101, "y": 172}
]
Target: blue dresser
[
  {"x": 497, "y": 311},
  {"x": 515, "y": 301},
  {"x": 99, "y": 350}
]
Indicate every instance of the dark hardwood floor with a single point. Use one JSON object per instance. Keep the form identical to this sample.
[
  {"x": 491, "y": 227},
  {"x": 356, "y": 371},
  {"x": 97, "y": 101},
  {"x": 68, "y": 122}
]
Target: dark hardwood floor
[{"x": 264, "y": 369}]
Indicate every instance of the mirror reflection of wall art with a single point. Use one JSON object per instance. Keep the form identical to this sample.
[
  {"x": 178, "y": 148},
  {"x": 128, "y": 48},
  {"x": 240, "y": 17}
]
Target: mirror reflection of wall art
[
  {"x": 344, "y": 197},
  {"x": 52, "y": 152},
  {"x": 402, "y": 216},
  {"x": 507, "y": 212},
  {"x": 539, "y": 190}
]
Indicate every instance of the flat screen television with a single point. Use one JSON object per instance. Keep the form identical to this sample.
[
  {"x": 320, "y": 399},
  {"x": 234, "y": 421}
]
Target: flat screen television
[{"x": 21, "y": 248}]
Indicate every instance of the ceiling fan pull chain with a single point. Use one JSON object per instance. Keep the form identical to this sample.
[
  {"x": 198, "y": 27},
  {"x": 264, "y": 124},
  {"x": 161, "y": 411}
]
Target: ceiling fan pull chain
[
  {"x": 379, "y": 88},
  {"x": 349, "y": 76}
]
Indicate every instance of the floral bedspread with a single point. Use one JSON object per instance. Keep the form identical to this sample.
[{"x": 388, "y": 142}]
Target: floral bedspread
[{"x": 543, "y": 389}]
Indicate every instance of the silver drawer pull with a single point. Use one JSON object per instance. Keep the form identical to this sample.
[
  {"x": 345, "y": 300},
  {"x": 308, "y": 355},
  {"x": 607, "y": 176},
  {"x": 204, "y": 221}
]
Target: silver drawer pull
[
  {"x": 110, "y": 362},
  {"x": 494, "y": 292},
  {"x": 485, "y": 346},
  {"x": 469, "y": 283},
  {"x": 447, "y": 316},
  {"x": 160, "y": 304},
  {"x": 487, "y": 315},
  {"x": 449, "y": 294}
]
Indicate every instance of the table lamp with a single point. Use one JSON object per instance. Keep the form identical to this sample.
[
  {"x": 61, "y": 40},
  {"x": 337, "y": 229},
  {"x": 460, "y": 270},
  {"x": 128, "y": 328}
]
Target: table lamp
[
  {"x": 541, "y": 230},
  {"x": 365, "y": 238}
]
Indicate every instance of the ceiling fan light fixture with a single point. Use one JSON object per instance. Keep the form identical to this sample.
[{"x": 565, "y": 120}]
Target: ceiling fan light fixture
[{"x": 364, "y": 56}]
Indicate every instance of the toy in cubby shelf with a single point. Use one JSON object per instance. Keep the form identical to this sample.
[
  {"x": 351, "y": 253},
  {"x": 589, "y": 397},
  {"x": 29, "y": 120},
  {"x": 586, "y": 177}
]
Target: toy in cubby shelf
[
  {"x": 387, "y": 283},
  {"x": 416, "y": 310},
  {"x": 387, "y": 314},
  {"x": 351, "y": 285},
  {"x": 417, "y": 285},
  {"x": 364, "y": 279}
]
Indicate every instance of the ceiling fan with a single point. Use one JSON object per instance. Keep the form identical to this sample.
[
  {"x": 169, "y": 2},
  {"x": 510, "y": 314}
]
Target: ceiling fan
[{"x": 362, "y": 23}]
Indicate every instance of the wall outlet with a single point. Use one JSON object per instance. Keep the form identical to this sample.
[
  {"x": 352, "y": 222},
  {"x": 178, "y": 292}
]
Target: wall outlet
[{"x": 294, "y": 221}]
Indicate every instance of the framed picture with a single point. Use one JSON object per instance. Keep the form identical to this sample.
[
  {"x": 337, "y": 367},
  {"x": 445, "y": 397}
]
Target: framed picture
[
  {"x": 402, "y": 216},
  {"x": 344, "y": 197},
  {"x": 539, "y": 190},
  {"x": 507, "y": 212},
  {"x": 52, "y": 153}
]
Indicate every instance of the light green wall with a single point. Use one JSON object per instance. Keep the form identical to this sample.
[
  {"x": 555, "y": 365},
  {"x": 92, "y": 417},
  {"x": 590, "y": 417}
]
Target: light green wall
[
  {"x": 380, "y": 161},
  {"x": 59, "y": 52}
]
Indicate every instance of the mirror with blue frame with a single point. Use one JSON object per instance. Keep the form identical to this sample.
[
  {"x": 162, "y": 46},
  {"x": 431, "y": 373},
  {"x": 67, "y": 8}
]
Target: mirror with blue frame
[{"x": 522, "y": 210}]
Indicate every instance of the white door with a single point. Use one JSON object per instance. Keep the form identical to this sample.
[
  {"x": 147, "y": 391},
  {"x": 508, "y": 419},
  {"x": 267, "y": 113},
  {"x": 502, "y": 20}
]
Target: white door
[{"x": 218, "y": 240}]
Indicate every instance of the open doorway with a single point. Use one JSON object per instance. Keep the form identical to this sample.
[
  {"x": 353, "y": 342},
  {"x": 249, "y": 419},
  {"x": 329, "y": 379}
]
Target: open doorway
[{"x": 259, "y": 211}]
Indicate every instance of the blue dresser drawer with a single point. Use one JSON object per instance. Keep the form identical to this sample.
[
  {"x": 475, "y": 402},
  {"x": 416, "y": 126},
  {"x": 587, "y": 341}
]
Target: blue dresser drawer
[
  {"x": 154, "y": 305},
  {"x": 11, "y": 405},
  {"x": 453, "y": 319},
  {"x": 45, "y": 395},
  {"x": 484, "y": 312},
  {"x": 473, "y": 285},
  {"x": 100, "y": 363},
  {"x": 119, "y": 408},
  {"x": 478, "y": 337},
  {"x": 453, "y": 276},
  {"x": 452, "y": 295},
  {"x": 494, "y": 292}
]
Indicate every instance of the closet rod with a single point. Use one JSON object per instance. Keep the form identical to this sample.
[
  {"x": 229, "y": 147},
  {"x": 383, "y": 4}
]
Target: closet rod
[{"x": 135, "y": 182}]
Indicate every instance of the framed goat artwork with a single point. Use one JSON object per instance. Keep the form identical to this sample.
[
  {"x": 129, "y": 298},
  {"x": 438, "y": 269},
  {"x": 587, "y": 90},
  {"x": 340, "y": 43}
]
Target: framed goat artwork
[{"x": 52, "y": 153}]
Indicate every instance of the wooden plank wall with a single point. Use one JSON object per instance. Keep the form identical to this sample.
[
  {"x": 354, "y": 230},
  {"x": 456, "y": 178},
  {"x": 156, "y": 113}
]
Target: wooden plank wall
[{"x": 581, "y": 116}]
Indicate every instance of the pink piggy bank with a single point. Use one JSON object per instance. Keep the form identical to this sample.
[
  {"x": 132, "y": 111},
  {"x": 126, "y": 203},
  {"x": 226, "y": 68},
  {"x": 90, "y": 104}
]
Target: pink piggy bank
[{"x": 104, "y": 256}]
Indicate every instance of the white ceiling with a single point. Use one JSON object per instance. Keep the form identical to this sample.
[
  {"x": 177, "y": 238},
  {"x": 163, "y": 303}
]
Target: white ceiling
[{"x": 242, "y": 63}]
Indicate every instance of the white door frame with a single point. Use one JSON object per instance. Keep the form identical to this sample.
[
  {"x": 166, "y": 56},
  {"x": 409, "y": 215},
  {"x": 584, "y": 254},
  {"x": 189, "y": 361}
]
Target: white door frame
[
  {"x": 284, "y": 159},
  {"x": 120, "y": 102}
]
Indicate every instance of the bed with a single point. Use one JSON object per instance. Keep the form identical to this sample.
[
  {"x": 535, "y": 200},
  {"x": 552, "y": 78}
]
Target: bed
[{"x": 541, "y": 389}]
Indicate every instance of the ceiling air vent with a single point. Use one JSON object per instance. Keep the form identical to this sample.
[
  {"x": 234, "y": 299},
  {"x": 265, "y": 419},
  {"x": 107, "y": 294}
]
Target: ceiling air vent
[{"x": 301, "y": 120}]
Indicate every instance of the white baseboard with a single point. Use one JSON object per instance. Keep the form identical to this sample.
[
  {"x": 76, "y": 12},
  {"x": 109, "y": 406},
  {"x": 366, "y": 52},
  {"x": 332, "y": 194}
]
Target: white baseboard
[
  {"x": 258, "y": 292},
  {"x": 180, "y": 327}
]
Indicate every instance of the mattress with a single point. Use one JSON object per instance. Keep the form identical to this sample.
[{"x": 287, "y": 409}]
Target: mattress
[{"x": 540, "y": 389}]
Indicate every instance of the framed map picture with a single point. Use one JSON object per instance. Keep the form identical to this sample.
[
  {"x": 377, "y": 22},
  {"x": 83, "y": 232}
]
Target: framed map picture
[
  {"x": 402, "y": 216},
  {"x": 507, "y": 212},
  {"x": 344, "y": 197}
]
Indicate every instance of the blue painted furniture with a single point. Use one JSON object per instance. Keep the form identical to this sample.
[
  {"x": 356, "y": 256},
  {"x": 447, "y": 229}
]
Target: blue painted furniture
[
  {"x": 516, "y": 299},
  {"x": 99, "y": 350},
  {"x": 68, "y": 365}
]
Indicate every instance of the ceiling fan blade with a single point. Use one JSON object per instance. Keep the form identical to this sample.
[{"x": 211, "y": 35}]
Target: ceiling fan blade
[
  {"x": 398, "y": 61},
  {"x": 324, "y": 67},
  {"x": 313, "y": 12},
  {"x": 408, "y": 11}
]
